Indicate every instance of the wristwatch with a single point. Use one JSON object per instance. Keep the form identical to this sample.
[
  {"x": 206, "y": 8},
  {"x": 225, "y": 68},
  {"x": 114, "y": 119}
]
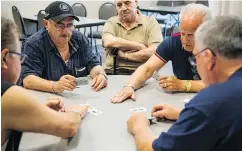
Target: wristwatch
[
  {"x": 129, "y": 86},
  {"x": 188, "y": 85}
]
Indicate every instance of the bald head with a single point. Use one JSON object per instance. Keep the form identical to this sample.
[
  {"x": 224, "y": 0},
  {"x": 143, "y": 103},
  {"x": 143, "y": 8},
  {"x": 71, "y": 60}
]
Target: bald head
[{"x": 192, "y": 15}]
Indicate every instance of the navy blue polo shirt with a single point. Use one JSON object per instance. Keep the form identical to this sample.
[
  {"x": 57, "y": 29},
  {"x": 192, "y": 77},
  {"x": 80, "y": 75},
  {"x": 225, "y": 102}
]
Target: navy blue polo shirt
[
  {"x": 44, "y": 60},
  {"x": 171, "y": 50},
  {"x": 211, "y": 121}
]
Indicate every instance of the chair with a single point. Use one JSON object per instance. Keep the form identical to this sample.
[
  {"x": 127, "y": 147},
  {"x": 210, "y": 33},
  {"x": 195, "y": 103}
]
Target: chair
[
  {"x": 106, "y": 11},
  {"x": 20, "y": 23},
  {"x": 204, "y": 2},
  {"x": 40, "y": 17},
  {"x": 79, "y": 10}
]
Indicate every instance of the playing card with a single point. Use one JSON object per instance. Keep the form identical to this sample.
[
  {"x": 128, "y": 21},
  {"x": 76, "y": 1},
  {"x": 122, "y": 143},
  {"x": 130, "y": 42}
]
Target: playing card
[
  {"x": 82, "y": 81},
  {"x": 156, "y": 76},
  {"x": 95, "y": 111},
  {"x": 139, "y": 109}
]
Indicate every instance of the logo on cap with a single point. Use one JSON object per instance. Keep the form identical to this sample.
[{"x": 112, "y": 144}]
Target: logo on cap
[{"x": 64, "y": 7}]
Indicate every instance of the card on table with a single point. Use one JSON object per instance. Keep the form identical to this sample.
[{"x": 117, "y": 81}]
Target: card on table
[
  {"x": 139, "y": 109},
  {"x": 82, "y": 81},
  {"x": 93, "y": 110}
]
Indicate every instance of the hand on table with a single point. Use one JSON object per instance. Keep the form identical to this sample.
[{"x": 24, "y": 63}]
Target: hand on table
[
  {"x": 125, "y": 93},
  {"x": 165, "y": 110},
  {"x": 81, "y": 109},
  {"x": 171, "y": 84},
  {"x": 66, "y": 82},
  {"x": 99, "y": 82},
  {"x": 137, "y": 122},
  {"x": 55, "y": 103}
]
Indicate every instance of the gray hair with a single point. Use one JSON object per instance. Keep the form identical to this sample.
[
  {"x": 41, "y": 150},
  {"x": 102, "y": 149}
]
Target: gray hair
[
  {"x": 207, "y": 13},
  {"x": 222, "y": 35},
  {"x": 9, "y": 34}
]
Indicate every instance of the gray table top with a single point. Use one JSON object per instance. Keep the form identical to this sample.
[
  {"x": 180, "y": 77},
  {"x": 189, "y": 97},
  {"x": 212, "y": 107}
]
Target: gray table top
[
  {"x": 108, "y": 131},
  {"x": 84, "y": 21},
  {"x": 161, "y": 9}
]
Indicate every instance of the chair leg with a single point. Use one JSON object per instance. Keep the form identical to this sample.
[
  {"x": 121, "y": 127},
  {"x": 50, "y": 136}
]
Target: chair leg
[{"x": 95, "y": 43}]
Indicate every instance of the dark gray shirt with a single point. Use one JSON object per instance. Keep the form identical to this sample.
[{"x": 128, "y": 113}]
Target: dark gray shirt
[{"x": 44, "y": 60}]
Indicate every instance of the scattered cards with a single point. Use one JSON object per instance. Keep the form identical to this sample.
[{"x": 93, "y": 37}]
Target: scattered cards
[
  {"x": 82, "y": 81},
  {"x": 139, "y": 109}
]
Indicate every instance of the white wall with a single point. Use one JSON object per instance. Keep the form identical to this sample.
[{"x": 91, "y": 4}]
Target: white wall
[{"x": 28, "y": 8}]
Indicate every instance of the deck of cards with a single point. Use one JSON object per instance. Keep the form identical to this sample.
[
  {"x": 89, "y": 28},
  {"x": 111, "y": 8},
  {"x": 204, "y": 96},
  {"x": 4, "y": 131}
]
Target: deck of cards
[{"x": 139, "y": 109}]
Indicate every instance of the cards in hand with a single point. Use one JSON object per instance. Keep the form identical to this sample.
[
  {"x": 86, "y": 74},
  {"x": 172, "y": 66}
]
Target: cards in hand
[
  {"x": 139, "y": 109},
  {"x": 82, "y": 81},
  {"x": 156, "y": 76}
]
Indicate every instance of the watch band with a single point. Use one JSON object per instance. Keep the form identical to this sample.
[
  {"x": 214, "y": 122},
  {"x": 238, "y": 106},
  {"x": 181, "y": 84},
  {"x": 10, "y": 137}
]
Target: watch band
[
  {"x": 129, "y": 86},
  {"x": 188, "y": 85}
]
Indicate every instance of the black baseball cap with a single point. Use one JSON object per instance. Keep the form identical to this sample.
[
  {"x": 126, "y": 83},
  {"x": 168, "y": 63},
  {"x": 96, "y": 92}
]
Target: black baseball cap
[{"x": 58, "y": 11}]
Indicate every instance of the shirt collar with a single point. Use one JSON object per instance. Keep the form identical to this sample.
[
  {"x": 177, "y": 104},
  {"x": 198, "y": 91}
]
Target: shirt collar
[
  {"x": 236, "y": 74},
  {"x": 140, "y": 21}
]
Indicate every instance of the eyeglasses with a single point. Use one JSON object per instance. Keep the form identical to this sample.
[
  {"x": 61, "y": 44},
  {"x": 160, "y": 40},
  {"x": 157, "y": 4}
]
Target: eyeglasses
[
  {"x": 61, "y": 27},
  {"x": 22, "y": 56},
  {"x": 192, "y": 60}
]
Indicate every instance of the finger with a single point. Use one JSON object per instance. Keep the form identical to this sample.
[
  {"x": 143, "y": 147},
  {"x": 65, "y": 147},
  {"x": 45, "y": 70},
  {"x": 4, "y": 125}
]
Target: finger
[
  {"x": 133, "y": 97},
  {"x": 163, "y": 78},
  {"x": 70, "y": 77},
  {"x": 94, "y": 81},
  {"x": 123, "y": 97},
  {"x": 101, "y": 85},
  {"x": 69, "y": 86},
  {"x": 99, "y": 80},
  {"x": 157, "y": 108},
  {"x": 159, "y": 114}
]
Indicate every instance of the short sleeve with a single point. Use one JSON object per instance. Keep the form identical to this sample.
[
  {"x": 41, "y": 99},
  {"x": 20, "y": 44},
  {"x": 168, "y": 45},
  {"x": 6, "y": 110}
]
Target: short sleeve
[
  {"x": 90, "y": 59},
  {"x": 5, "y": 86},
  {"x": 154, "y": 33},
  {"x": 190, "y": 132},
  {"x": 165, "y": 50},
  {"x": 109, "y": 28},
  {"x": 33, "y": 63}
]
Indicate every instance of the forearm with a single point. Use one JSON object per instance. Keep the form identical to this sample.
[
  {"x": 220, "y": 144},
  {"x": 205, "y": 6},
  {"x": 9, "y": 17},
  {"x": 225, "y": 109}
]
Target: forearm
[
  {"x": 20, "y": 106},
  {"x": 141, "y": 74},
  {"x": 116, "y": 42},
  {"x": 141, "y": 55},
  {"x": 36, "y": 83},
  {"x": 144, "y": 139},
  {"x": 96, "y": 71}
]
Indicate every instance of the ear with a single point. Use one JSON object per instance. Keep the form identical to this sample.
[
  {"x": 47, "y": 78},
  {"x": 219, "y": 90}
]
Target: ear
[
  {"x": 211, "y": 59},
  {"x": 4, "y": 53},
  {"x": 45, "y": 23}
]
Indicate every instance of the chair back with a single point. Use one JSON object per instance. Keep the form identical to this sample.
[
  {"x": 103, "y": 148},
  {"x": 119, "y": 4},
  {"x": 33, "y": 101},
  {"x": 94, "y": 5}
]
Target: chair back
[
  {"x": 107, "y": 10},
  {"x": 79, "y": 10},
  {"x": 19, "y": 21},
  {"x": 40, "y": 17}
]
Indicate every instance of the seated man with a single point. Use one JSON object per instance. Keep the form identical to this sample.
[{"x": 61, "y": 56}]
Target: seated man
[
  {"x": 211, "y": 121},
  {"x": 58, "y": 53},
  {"x": 176, "y": 49},
  {"x": 135, "y": 35},
  {"x": 21, "y": 110}
]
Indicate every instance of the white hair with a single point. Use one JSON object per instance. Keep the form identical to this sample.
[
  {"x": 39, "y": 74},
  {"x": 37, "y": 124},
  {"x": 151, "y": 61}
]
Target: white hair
[
  {"x": 207, "y": 13},
  {"x": 222, "y": 35}
]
